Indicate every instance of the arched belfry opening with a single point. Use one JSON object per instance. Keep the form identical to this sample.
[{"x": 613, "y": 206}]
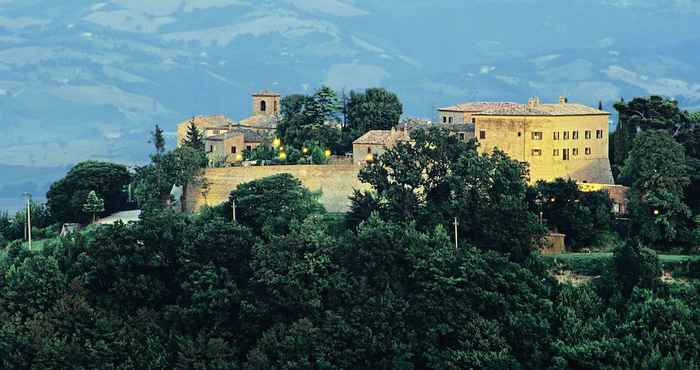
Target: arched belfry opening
[{"x": 263, "y": 106}]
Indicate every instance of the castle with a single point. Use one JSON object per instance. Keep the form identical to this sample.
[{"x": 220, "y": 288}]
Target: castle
[{"x": 561, "y": 139}]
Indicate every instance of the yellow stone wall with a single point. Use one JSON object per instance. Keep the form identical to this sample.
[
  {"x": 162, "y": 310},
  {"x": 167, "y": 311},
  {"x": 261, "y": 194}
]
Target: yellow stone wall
[
  {"x": 272, "y": 105},
  {"x": 360, "y": 152},
  {"x": 336, "y": 183},
  {"x": 514, "y": 135}
]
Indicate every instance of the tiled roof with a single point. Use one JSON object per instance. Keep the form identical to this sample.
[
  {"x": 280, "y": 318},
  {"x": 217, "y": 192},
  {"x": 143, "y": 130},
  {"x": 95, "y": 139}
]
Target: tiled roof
[
  {"x": 266, "y": 93},
  {"x": 381, "y": 137},
  {"x": 561, "y": 109},
  {"x": 478, "y": 106},
  {"x": 261, "y": 121},
  {"x": 248, "y": 136},
  {"x": 209, "y": 121}
]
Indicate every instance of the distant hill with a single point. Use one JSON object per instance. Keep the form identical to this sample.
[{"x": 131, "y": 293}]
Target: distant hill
[{"x": 88, "y": 79}]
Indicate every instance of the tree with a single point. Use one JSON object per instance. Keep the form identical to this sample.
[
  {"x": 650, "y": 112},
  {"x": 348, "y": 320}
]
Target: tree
[
  {"x": 581, "y": 216},
  {"x": 657, "y": 172},
  {"x": 646, "y": 113},
  {"x": 66, "y": 197},
  {"x": 94, "y": 205},
  {"x": 194, "y": 137},
  {"x": 437, "y": 178},
  {"x": 373, "y": 109},
  {"x": 311, "y": 120},
  {"x": 270, "y": 204},
  {"x": 159, "y": 141},
  {"x": 636, "y": 266}
]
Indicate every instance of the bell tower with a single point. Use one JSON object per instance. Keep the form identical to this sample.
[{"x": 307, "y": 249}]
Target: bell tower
[{"x": 266, "y": 103}]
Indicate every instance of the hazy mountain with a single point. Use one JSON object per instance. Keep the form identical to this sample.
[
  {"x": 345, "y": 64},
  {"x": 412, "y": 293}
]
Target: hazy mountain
[{"x": 87, "y": 80}]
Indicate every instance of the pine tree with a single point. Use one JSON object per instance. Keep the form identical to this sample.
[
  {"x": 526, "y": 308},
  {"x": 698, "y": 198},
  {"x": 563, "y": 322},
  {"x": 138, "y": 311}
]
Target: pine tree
[
  {"x": 600, "y": 105},
  {"x": 158, "y": 141},
  {"x": 93, "y": 205},
  {"x": 194, "y": 138}
]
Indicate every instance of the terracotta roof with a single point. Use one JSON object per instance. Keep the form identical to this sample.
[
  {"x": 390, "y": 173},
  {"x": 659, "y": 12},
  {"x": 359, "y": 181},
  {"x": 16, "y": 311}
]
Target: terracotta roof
[
  {"x": 248, "y": 136},
  {"x": 560, "y": 109},
  {"x": 261, "y": 121},
  {"x": 266, "y": 93},
  {"x": 478, "y": 106},
  {"x": 381, "y": 137},
  {"x": 209, "y": 121}
]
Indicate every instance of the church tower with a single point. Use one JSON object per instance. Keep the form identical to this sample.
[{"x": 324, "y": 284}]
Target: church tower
[{"x": 266, "y": 103}]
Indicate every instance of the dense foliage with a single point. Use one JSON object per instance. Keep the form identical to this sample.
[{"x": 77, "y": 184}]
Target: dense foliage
[
  {"x": 109, "y": 181},
  {"x": 582, "y": 216}
]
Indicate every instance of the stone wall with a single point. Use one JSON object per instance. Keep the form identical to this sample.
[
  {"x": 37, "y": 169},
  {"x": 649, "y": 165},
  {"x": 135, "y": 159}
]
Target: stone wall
[{"x": 335, "y": 181}]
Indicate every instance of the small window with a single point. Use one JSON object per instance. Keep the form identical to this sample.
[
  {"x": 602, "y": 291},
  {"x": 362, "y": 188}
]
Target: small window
[
  {"x": 565, "y": 154},
  {"x": 574, "y": 135},
  {"x": 369, "y": 150},
  {"x": 536, "y": 136},
  {"x": 536, "y": 152},
  {"x": 211, "y": 148},
  {"x": 276, "y": 107},
  {"x": 574, "y": 151},
  {"x": 473, "y": 120},
  {"x": 263, "y": 105},
  {"x": 555, "y": 152},
  {"x": 216, "y": 132},
  {"x": 461, "y": 136},
  {"x": 588, "y": 151},
  {"x": 444, "y": 119},
  {"x": 599, "y": 134},
  {"x": 248, "y": 148},
  {"x": 482, "y": 134},
  {"x": 520, "y": 134},
  {"x": 450, "y": 120},
  {"x": 233, "y": 150},
  {"x": 566, "y": 135},
  {"x": 588, "y": 134},
  {"x": 555, "y": 136}
]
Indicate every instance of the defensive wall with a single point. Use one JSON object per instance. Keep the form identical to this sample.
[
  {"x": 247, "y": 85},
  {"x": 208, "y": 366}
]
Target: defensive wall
[{"x": 336, "y": 183}]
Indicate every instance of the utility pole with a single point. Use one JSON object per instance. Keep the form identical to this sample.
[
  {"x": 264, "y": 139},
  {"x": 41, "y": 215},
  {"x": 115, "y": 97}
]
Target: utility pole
[
  {"x": 29, "y": 219},
  {"x": 456, "y": 223}
]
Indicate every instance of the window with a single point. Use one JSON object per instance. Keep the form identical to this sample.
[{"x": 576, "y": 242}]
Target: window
[
  {"x": 536, "y": 152},
  {"x": 588, "y": 151},
  {"x": 536, "y": 136},
  {"x": 276, "y": 108},
  {"x": 566, "y": 135},
  {"x": 216, "y": 132},
  {"x": 263, "y": 105},
  {"x": 574, "y": 135},
  {"x": 588, "y": 134},
  {"x": 461, "y": 136},
  {"x": 482, "y": 134},
  {"x": 233, "y": 150},
  {"x": 449, "y": 120},
  {"x": 574, "y": 151},
  {"x": 369, "y": 150},
  {"x": 211, "y": 148},
  {"x": 444, "y": 119},
  {"x": 555, "y": 136},
  {"x": 474, "y": 120},
  {"x": 248, "y": 148},
  {"x": 555, "y": 153},
  {"x": 520, "y": 134},
  {"x": 566, "y": 154},
  {"x": 599, "y": 134}
]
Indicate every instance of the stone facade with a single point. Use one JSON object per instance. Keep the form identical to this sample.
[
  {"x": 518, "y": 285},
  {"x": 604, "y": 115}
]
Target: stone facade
[
  {"x": 335, "y": 182},
  {"x": 266, "y": 103},
  {"x": 231, "y": 145},
  {"x": 463, "y": 113},
  {"x": 557, "y": 140},
  {"x": 375, "y": 143}
]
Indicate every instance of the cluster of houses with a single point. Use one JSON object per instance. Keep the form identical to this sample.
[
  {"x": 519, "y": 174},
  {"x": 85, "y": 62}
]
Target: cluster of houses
[{"x": 559, "y": 139}]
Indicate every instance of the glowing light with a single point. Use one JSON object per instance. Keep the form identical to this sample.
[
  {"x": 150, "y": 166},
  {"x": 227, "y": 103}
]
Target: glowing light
[
  {"x": 283, "y": 156},
  {"x": 369, "y": 157},
  {"x": 304, "y": 150},
  {"x": 327, "y": 153},
  {"x": 277, "y": 142},
  {"x": 656, "y": 212},
  {"x": 239, "y": 157}
]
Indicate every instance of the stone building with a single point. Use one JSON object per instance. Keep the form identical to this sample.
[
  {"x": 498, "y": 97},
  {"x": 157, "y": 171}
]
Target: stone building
[
  {"x": 264, "y": 121},
  {"x": 375, "y": 142},
  {"x": 229, "y": 147},
  {"x": 557, "y": 140},
  {"x": 463, "y": 113}
]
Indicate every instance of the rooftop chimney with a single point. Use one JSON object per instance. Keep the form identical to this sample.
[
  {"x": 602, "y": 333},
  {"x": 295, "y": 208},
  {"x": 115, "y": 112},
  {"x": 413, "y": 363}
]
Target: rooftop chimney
[{"x": 563, "y": 100}]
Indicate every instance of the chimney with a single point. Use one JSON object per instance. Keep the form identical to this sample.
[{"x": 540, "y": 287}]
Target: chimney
[
  {"x": 563, "y": 100},
  {"x": 533, "y": 102}
]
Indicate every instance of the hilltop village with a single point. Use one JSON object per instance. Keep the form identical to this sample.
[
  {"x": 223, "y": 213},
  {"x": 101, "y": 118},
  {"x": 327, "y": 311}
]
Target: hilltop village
[{"x": 557, "y": 140}]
